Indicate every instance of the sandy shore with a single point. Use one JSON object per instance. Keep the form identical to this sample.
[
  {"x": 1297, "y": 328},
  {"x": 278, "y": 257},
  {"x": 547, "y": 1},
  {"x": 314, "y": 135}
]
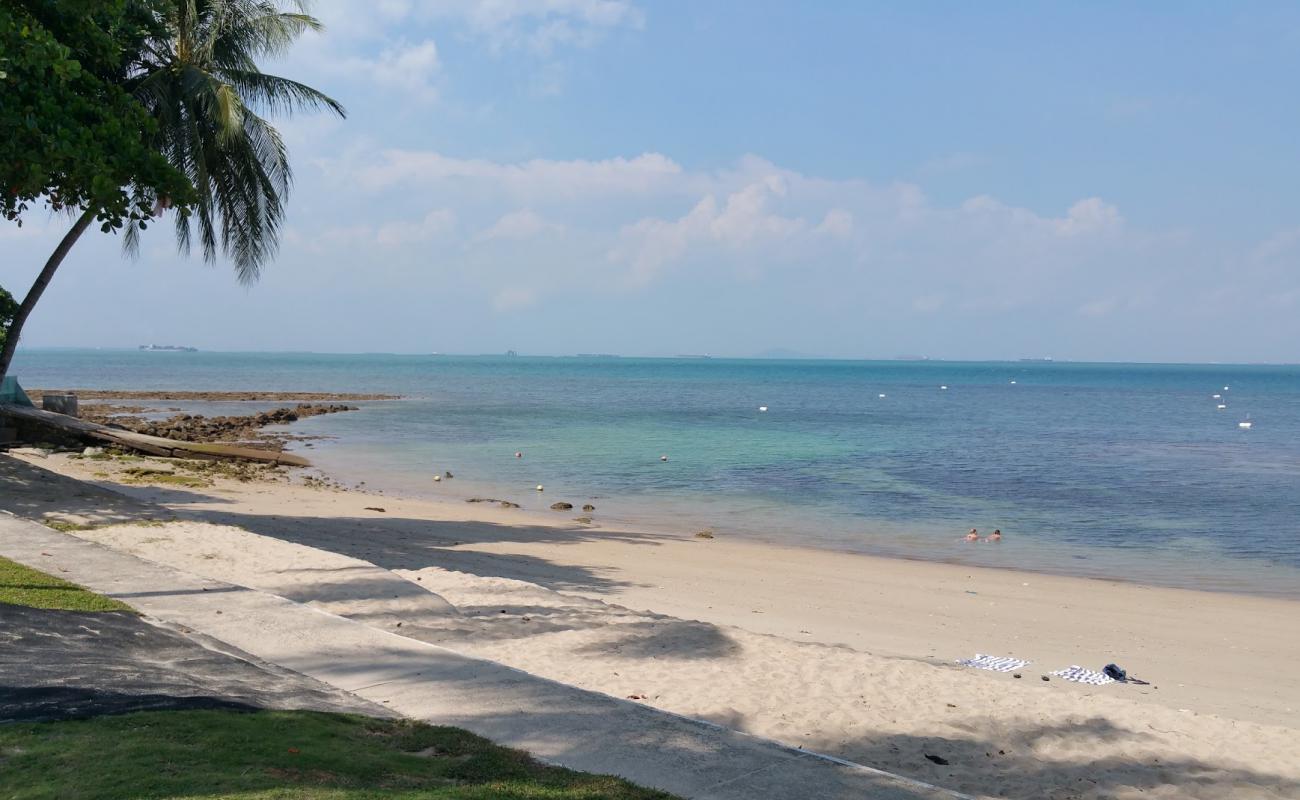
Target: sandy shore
[{"x": 844, "y": 654}]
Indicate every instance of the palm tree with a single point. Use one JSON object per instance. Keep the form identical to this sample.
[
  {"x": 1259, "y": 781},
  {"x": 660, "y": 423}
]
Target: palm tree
[{"x": 202, "y": 84}]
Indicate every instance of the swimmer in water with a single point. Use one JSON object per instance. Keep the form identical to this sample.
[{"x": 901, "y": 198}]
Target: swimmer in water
[
  {"x": 995, "y": 536},
  {"x": 973, "y": 536}
]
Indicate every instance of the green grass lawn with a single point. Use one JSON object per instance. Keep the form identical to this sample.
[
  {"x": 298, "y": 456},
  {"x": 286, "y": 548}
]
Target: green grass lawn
[
  {"x": 24, "y": 586},
  {"x": 286, "y": 755}
]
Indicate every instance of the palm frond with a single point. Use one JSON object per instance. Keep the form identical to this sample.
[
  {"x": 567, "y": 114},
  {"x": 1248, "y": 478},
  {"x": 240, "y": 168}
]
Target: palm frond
[
  {"x": 277, "y": 95},
  {"x": 205, "y": 89}
]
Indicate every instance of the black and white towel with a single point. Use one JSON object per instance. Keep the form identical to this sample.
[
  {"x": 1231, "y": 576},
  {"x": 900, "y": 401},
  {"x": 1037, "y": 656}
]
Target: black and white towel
[
  {"x": 1080, "y": 675},
  {"x": 994, "y": 663}
]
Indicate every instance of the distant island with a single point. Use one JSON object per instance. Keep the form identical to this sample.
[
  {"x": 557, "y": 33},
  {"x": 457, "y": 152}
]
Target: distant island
[{"x": 169, "y": 348}]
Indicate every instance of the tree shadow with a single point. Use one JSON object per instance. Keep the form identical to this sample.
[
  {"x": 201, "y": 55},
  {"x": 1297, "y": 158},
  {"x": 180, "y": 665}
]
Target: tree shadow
[
  {"x": 667, "y": 638},
  {"x": 1067, "y": 760},
  {"x": 398, "y": 543},
  {"x": 74, "y": 664},
  {"x": 39, "y": 494},
  {"x": 55, "y": 703}
]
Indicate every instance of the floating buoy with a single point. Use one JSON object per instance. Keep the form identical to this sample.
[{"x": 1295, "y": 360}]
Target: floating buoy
[
  {"x": 518, "y": 454},
  {"x": 539, "y": 487},
  {"x": 1225, "y": 388},
  {"x": 944, "y": 387},
  {"x": 437, "y": 478},
  {"x": 1013, "y": 383},
  {"x": 882, "y": 397},
  {"x": 762, "y": 408},
  {"x": 663, "y": 458}
]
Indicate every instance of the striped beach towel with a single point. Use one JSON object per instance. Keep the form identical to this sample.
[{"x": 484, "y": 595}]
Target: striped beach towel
[
  {"x": 994, "y": 663},
  {"x": 1078, "y": 674}
]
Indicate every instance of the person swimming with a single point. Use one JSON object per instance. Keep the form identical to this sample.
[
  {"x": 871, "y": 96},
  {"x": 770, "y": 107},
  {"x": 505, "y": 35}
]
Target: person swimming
[
  {"x": 995, "y": 536},
  {"x": 973, "y": 536}
]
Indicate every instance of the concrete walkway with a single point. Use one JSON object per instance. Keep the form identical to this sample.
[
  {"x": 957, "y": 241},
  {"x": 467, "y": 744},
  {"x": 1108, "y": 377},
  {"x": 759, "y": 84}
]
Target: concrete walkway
[
  {"x": 557, "y": 723},
  {"x": 57, "y": 665}
]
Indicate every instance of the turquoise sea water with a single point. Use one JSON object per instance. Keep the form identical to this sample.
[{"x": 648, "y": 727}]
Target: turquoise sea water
[{"x": 1106, "y": 470}]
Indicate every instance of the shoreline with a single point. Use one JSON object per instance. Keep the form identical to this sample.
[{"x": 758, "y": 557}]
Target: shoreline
[
  {"x": 842, "y": 654},
  {"x": 671, "y": 523},
  {"x": 714, "y": 580}
]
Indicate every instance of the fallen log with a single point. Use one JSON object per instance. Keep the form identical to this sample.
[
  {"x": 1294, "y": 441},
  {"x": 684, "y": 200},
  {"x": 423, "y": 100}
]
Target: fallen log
[{"x": 153, "y": 445}]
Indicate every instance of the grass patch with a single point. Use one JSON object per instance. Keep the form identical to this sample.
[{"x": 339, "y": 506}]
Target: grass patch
[
  {"x": 140, "y": 475},
  {"x": 24, "y": 586},
  {"x": 64, "y": 526},
  {"x": 286, "y": 755},
  {"x": 243, "y": 471}
]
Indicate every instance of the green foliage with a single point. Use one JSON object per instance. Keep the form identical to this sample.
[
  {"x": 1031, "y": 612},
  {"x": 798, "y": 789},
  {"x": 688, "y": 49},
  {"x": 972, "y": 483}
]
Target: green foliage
[
  {"x": 71, "y": 135},
  {"x": 208, "y": 94},
  {"x": 8, "y": 307},
  {"x": 24, "y": 586},
  {"x": 289, "y": 755}
]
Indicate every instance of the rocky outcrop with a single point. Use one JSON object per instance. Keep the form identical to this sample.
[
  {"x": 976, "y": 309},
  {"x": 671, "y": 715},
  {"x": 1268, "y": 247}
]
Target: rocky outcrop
[{"x": 198, "y": 428}]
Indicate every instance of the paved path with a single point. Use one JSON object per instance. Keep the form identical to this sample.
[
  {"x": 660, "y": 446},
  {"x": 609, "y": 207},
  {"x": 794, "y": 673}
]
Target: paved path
[
  {"x": 557, "y": 723},
  {"x": 70, "y": 664}
]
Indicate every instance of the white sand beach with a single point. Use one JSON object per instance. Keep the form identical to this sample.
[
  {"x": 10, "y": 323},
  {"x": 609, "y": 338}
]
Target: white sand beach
[{"x": 843, "y": 654}]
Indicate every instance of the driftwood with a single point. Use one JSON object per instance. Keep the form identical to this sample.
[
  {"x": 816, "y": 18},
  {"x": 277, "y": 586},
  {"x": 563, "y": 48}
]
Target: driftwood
[{"x": 153, "y": 445}]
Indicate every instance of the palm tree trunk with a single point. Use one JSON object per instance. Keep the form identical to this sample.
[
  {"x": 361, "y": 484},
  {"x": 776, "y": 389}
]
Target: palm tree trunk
[{"x": 38, "y": 288}]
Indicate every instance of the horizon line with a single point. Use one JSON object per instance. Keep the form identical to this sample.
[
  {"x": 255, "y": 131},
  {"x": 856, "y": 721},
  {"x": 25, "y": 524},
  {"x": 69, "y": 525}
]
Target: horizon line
[{"x": 684, "y": 357}]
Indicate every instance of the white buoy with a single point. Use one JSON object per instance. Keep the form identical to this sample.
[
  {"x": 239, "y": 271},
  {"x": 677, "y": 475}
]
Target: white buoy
[
  {"x": 663, "y": 458},
  {"x": 437, "y": 478},
  {"x": 1225, "y": 388},
  {"x": 762, "y": 408},
  {"x": 882, "y": 397},
  {"x": 944, "y": 387},
  {"x": 518, "y": 454},
  {"x": 1013, "y": 383},
  {"x": 539, "y": 487}
]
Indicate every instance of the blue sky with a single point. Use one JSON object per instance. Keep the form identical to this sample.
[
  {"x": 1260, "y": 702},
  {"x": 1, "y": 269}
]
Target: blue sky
[{"x": 1108, "y": 181}]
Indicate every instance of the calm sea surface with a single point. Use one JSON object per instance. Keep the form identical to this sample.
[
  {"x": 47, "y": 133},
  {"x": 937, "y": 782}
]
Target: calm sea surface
[{"x": 1106, "y": 470}]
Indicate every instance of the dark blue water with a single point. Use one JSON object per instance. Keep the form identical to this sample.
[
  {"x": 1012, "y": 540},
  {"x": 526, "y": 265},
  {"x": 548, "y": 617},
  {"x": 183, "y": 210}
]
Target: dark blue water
[{"x": 1122, "y": 471}]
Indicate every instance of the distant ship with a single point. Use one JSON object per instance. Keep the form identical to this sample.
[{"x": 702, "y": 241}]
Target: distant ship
[
  {"x": 168, "y": 348},
  {"x": 598, "y": 355},
  {"x": 691, "y": 355},
  {"x": 1045, "y": 359}
]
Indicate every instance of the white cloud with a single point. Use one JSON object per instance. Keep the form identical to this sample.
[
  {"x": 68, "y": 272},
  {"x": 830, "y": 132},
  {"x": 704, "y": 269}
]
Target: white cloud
[
  {"x": 541, "y": 26},
  {"x": 1086, "y": 217},
  {"x": 541, "y": 177},
  {"x": 629, "y": 221},
  {"x": 745, "y": 219},
  {"x": 523, "y": 224},
  {"x": 411, "y": 68},
  {"x": 1089, "y": 216},
  {"x": 837, "y": 222},
  {"x": 436, "y": 223}
]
